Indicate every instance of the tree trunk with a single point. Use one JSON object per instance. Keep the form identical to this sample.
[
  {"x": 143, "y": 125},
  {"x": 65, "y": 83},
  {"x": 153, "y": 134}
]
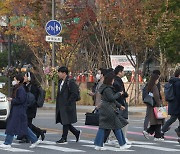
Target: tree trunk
[{"x": 137, "y": 81}]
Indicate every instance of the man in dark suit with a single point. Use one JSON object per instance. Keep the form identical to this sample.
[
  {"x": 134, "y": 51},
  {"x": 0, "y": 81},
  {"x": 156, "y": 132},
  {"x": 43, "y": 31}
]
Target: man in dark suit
[{"x": 66, "y": 105}]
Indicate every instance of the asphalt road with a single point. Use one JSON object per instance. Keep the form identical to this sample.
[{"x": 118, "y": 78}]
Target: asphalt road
[{"x": 46, "y": 119}]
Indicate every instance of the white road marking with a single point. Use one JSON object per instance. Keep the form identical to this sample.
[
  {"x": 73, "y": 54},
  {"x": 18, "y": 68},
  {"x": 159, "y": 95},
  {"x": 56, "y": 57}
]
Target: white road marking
[
  {"x": 16, "y": 150},
  {"x": 143, "y": 143},
  {"x": 138, "y": 127},
  {"x": 58, "y": 148},
  {"x": 84, "y": 141},
  {"x": 108, "y": 148},
  {"x": 48, "y": 142},
  {"x": 168, "y": 141},
  {"x": 156, "y": 148},
  {"x": 1, "y": 142}
]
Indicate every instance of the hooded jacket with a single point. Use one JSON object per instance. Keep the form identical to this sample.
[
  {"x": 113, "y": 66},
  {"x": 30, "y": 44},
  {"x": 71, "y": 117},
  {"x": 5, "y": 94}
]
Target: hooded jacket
[{"x": 108, "y": 118}]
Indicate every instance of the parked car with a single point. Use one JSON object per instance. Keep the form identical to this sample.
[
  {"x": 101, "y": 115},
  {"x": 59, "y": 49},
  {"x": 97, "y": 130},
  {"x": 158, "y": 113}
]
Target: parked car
[{"x": 4, "y": 110}]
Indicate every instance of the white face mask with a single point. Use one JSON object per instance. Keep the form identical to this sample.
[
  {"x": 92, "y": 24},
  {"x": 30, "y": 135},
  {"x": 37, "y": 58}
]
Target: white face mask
[
  {"x": 14, "y": 83},
  {"x": 98, "y": 76}
]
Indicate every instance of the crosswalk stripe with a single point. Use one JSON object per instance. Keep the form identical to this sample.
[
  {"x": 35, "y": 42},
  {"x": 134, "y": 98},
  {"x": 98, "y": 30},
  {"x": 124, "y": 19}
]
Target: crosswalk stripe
[
  {"x": 2, "y": 134},
  {"x": 134, "y": 142},
  {"x": 84, "y": 141},
  {"x": 1, "y": 142},
  {"x": 108, "y": 148},
  {"x": 155, "y": 148},
  {"x": 52, "y": 147},
  {"x": 167, "y": 141},
  {"x": 143, "y": 143},
  {"x": 16, "y": 150},
  {"x": 48, "y": 142}
]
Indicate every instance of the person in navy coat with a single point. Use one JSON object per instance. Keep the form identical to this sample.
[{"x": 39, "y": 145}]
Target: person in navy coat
[
  {"x": 17, "y": 120},
  {"x": 174, "y": 106}
]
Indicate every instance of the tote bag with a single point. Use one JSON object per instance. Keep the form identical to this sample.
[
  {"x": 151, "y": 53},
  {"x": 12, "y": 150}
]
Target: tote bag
[{"x": 161, "y": 112}]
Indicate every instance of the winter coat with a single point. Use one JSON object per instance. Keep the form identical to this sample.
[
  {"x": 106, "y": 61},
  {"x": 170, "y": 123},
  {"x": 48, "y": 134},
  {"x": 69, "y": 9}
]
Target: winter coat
[
  {"x": 33, "y": 88},
  {"x": 66, "y": 102},
  {"x": 174, "y": 106},
  {"x": 108, "y": 119},
  {"x": 98, "y": 95},
  {"x": 158, "y": 103},
  {"x": 119, "y": 86},
  {"x": 17, "y": 121}
]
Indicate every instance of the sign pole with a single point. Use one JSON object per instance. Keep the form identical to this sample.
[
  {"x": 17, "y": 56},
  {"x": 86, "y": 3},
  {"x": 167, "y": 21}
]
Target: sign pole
[
  {"x": 9, "y": 60},
  {"x": 53, "y": 53}
]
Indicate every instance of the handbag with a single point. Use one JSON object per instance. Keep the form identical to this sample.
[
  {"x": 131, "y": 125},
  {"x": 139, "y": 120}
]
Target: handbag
[
  {"x": 92, "y": 118},
  {"x": 161, "y": 112},
  {"x": 149, "y": 100}
]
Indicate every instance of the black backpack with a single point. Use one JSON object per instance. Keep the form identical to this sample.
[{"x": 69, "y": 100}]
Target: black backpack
[
  {"x": 169, "y": 92},
  {"x": 41, "y": 97},
  {"x": 77, "y": 89},
  {"x": 30, "y": 100},
  {"x": 144, "y": 92}
]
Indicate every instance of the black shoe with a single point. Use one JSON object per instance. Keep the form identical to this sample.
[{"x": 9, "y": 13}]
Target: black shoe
[
  {"x": 24, "y": 140},
  {"x": 19, "y": 137},
  {"x": 179, "y": 140},
  {"x": 78, "y": 136},
  {"x": 43, "y": 132},
  {"x": 177, "y": 132},
  {"x": 62, "y": 141}
]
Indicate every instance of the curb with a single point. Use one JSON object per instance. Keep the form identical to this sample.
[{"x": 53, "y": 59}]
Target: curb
[{"x": 90, "y": 109}]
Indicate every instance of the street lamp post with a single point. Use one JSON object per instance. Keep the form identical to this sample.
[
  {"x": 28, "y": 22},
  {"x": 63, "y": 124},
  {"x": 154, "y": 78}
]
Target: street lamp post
[{"x": 53, "y": 53}]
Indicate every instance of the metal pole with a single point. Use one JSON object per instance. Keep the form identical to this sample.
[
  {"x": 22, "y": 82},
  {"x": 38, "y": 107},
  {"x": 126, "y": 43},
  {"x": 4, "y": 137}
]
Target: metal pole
[
  {"x": 53, "y": 53},
  {"x": 9, "y": 60}
]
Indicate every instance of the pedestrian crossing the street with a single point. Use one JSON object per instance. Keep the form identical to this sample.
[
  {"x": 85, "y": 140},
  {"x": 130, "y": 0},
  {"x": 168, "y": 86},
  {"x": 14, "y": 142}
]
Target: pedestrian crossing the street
[{"x": 87, "y": 145}]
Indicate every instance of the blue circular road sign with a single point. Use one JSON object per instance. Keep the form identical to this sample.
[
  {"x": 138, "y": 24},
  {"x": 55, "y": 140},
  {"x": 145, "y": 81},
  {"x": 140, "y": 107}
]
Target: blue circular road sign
[{"x": 53, "y": 27}]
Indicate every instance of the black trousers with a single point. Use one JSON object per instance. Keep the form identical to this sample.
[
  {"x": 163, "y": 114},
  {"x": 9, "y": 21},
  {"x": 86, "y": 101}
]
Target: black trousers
[
  {"x": 68, "y": 127},
  {"x": 155, "y": 129},
  {"x": 36, "y": 130},
  {"x": 106, "y": 134}
]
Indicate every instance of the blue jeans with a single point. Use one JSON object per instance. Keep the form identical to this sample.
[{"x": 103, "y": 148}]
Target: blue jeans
[
  {"x": 100, "y": 137},
  {"x": 30, "y": 135},
  {"x": 120, "y": 136}
]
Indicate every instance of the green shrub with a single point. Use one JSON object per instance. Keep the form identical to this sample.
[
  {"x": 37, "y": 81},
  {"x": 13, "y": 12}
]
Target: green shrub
[
  {"x": 4, "y": 90},
  {"x": 3, "y": 79},
  {"x": 85, "y": 98}
]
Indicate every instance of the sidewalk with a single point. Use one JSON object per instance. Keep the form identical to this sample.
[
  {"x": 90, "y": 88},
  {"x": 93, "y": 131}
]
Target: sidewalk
[{"x": 133, "y": 110}]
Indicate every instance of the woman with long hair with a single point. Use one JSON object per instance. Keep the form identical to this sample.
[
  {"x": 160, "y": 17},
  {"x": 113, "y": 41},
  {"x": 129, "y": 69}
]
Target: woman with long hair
[
  {"x": 17, "y": 120},
  {"x": 155, "y": 124},
  {"x": 31, "y": 85}
]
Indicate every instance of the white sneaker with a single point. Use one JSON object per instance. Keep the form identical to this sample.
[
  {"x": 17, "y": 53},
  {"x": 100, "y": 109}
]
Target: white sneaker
[
  {"x": 35, "y": 144},
  {"x": 125, "y": 146},
  {"x": 112, "y": 142},
  {"x": 99, "y": 148},
  {"x": 128, "y": 142},
  {"x": 5, "y": 146},
  {"x": 158, "y": 139},
  {"x": 146, "y": 134}
]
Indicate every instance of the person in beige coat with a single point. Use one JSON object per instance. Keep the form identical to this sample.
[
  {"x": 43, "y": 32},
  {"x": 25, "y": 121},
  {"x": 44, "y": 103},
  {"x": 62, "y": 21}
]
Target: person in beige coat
[{"x": 155, "y": 124}]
